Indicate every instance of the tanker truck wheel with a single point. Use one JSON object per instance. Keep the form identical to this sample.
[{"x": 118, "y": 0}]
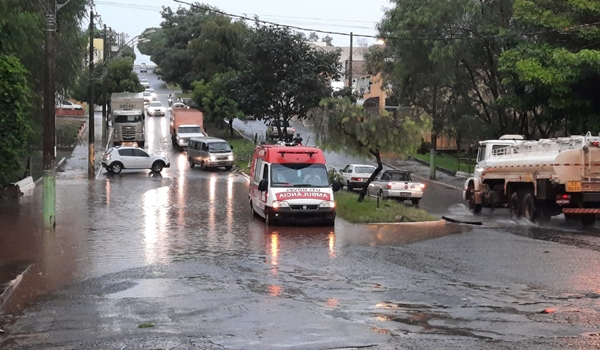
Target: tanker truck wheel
[
  {"x": 588, "y": 219},
  {"x": 514, "y": 206},
  {"x": 474, "y": 207},
  {"x": 528, "y": 207}
]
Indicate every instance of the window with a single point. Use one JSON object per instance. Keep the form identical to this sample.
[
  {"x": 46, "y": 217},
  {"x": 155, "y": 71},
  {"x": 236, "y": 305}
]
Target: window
[
  {"x": 219, "y": 147},
  {"x": 192, "y": 145},
  {"x": 189, "y": 129},
  {"x": 257, "y": 173},
  {"x": 365, "y": 169},
  {"x": 299, "y": 175},
  {"x": 139, "y": 153},
  {"x": 155, "y": 104},
  {"x": 398, "y": 177},
  {"x": 204, "y": 147},
  {"x": 128, "y": 118},
  {"x": 128, "y": 152}
]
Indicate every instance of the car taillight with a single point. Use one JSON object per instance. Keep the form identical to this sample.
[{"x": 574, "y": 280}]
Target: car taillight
[
  {"x": 355, "y": 179},
  {"x": 422, "y": 186},
  {"x": 563, "y": 196},
  {"x": 389, "y": 185},
  {"x": 595, "y": 144}
]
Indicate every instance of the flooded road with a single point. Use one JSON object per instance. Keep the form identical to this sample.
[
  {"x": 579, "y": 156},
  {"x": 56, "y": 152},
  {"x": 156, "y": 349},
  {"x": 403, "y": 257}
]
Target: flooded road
[{"x": 146, "y": 261}]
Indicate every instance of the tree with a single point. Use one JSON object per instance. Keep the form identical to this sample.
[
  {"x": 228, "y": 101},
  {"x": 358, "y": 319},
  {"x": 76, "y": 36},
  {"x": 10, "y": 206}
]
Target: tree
[
  {"x": 219, "y": 47},
  {"x": 343, "y": 125},
  {"x": 313, "y": 37},
  {"x": 168, "y": 46},
  {"x": 556, "y": 73},
  {"x": 215, "y": 100},
  {"x": 14, "y": 128},
  {"x": 116, "y": 75},
  {"x": 327, "y": 40},
  {"x": 283, "y": 76}
]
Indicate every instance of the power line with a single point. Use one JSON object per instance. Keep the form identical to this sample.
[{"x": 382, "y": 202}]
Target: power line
[{"x": 387, "y": 37}]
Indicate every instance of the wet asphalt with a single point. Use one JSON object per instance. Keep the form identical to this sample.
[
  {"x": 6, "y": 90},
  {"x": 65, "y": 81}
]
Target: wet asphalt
[{"x": 176, "y": 261}]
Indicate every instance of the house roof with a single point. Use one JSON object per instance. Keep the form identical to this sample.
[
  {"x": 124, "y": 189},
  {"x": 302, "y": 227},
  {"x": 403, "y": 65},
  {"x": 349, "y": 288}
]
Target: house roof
[{"x": 357, "y": 52}]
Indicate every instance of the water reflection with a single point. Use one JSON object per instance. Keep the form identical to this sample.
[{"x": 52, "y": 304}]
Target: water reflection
[
  {"x": 212, "y": 208},
  {"x": 155, "y": 204},
  {"x": 332, "y": 245},
  {"x": 181, "y": 190}
]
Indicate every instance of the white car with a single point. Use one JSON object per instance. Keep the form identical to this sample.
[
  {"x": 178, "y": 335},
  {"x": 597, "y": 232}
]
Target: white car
[
  {"x": 156, "y": 108},
  {"x": 356, "y": 175},
  {"x": 118, "y": 158},
  {"x": 151, "y": 91},
  {"x": 396, "y": 184},
  {"x": 145, "y": 83},
  {"x": 69, "y": 105},
  {"x": 178, "y": 105},
  {"x": 147, "y": 98}
]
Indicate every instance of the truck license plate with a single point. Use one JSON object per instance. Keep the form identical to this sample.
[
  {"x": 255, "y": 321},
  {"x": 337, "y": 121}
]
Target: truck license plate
[
  {"x": 404, "y": 194},
  {"x": 574, "y": 186}
]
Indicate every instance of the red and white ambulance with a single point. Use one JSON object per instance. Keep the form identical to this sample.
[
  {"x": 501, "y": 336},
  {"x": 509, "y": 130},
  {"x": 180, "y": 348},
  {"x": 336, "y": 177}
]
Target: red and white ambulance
[{"x": 291, "y": 183}]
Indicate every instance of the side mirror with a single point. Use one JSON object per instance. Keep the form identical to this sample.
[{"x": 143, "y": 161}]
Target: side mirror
[
  {"x": 263, "y": 185},
  {"x": 336, "y": 186},
  {"x": 341, "y": 170},
  {"x": 231, "y": 147}
]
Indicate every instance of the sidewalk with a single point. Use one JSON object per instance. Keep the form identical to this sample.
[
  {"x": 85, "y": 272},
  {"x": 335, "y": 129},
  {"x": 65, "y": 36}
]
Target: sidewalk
[{"x": 76, "y": 166}]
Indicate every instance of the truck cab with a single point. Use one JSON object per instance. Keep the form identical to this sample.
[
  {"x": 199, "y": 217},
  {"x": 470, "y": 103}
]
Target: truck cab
[
  {"x": 186, "y": 132},
  {"x": 488, "y": 148},
  {"x": 128, "y": 126}
]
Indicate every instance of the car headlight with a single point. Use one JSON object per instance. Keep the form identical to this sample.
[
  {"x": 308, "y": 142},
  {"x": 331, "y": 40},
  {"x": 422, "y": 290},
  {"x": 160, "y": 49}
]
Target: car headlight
[
  {"x": 280, "y": 204},
  {"x": 230, "y": 158},
  {"x": 327, "y": 204},
  {"x": 213, "y": 158},
  {"x": 181, "y": 140}
]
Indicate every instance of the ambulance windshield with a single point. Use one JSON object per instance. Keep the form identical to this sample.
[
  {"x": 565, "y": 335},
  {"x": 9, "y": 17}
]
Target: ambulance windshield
[{"x": 299, "y": 175}]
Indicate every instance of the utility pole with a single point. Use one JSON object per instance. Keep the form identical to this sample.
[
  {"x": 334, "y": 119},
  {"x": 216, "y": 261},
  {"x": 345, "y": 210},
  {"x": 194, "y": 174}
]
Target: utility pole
[
  {"x": 49, "y": 134},
  {"x": 91, "y": 152},
  {"x": 104, "y": 99},
  {"x": 350, "y": 63}
]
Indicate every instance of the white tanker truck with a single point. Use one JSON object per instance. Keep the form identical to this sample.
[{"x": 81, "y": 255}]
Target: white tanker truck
[{"x": 538, "y": 179}]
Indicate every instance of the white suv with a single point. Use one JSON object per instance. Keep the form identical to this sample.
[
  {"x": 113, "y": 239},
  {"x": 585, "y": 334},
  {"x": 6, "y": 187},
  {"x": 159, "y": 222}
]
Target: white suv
[{"x": 116, "y": 159}]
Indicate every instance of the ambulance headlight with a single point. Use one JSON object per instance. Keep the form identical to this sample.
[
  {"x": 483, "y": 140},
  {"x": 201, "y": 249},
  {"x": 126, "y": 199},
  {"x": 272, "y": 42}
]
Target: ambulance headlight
[
  {"x": 327, "y": 204},
  {"x": 280, "y": 204},
  {"x": 213, "y": 158},
  {"x": 230, "y": 158}
]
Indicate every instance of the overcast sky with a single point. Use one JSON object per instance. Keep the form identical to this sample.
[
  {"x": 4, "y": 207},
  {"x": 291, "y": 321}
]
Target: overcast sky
[{"x": 359, "y": 17}]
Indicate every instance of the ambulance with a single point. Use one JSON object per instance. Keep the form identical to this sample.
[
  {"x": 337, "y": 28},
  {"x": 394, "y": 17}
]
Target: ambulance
[{"x": 290, "y": 183}]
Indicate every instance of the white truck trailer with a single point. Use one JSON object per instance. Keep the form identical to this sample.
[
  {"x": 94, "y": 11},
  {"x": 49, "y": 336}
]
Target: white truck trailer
[
  {"x": 538, "y": 179},
  {"x": 127, "y": 116}
]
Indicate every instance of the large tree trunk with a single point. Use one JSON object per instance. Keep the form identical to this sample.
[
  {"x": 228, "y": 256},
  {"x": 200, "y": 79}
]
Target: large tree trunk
[{"x": 363, "y": 192}]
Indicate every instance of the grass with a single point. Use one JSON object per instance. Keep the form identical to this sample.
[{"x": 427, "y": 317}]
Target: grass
[
  {"x": 448, "y": 161},
  {"x": 67, "y": 131},
  {"x": 349, "y": 209},
  {"x": 242, "y": 147}
]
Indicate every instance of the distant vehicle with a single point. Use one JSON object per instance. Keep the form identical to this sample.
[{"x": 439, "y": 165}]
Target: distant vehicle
[
  {"x": 156, "y": 108},
  {"x": 147, "y": 97},
  {"x": 356, "y": 175},
  {"x": 145, "y": 83},
  {"x": 115, "y": 159},
  {"x": 186, "y": 123},
  {"x": 273, "y": 127},
  {"x": 396, "y": 184},
  {"x": 210, "y": 152},
  {"x": 69, "y": 105},
  {"x": 143, "y": 68},
  {"x": 179, "y": 105},
  {"x": 152, "y": 92}
]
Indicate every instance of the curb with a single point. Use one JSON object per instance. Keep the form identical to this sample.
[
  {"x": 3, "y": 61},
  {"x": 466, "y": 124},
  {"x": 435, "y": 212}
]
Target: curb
[
  {"x": 437, "y": 168},
  {"x": 411, "y": 223},
  {"x": 108, "y": 142},
  {"x": 423, "y": 178},
  {"x": 12, "y": 286}
]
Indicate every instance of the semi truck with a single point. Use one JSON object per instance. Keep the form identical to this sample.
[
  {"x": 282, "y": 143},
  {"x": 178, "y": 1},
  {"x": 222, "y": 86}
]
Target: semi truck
[
  {"x": 185, "y": 124},
  {"x": 127, "y": 117},
  {"x": 538, "y": 179}
]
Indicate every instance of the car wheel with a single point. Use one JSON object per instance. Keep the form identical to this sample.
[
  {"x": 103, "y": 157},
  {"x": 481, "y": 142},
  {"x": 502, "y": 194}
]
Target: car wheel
[
  {"x": 108, "y": 169},
  {"x": 157, "y": 166},
  {"x": 202, "y": 165},
  {"x": 415, "y": 202},
  {"x": 116, "y": 167},
  {"x": 228, "y": 167},
  {"x": 348, "y": 187},
  {"x": 192, "y": 164}
]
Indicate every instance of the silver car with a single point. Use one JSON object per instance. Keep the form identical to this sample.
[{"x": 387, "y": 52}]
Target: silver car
[{"x": 210, "y": 152}]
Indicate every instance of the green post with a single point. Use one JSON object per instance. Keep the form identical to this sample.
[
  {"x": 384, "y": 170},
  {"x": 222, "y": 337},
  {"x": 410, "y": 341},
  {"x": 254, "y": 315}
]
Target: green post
[
  {"x": 49, "y": 199},
  {"x": 432, "y": 164}
]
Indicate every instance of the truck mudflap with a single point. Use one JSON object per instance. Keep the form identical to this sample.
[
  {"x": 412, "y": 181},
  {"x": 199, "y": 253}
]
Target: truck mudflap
[{"x": 581, "y": 210}]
